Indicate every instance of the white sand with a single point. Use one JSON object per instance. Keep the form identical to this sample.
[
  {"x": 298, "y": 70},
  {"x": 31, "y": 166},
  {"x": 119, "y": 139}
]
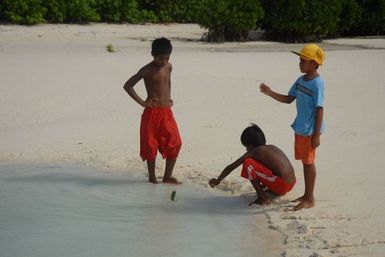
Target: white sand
[{"x": 61, "y": 100}]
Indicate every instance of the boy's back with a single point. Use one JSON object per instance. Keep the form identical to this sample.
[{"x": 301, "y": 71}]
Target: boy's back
[
  {"x": 157, "y": 82},
  {"x": 274, "y": 159}
]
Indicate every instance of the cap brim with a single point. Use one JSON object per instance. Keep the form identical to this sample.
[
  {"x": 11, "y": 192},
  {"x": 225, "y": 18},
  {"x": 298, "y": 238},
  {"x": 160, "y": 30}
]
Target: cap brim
[{"x": 300, "y": 55}]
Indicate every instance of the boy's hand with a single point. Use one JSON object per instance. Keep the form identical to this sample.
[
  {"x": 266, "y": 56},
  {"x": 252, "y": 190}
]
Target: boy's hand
[
  {"x": 315, "y": 141},
  {"x": 151, "y": 103},
  {"x": 265, "y": 89},
  {"x": 214, "y": 182}
]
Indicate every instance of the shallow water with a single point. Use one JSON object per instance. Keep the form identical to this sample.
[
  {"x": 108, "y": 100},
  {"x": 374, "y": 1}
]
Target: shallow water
[{"x": 55, "y": 210}]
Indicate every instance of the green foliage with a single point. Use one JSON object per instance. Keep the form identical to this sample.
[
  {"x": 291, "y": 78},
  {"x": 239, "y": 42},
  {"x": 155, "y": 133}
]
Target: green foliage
[
  {"x": 123, "y": 11},
  {"x": 229, "y": 20},
  {"x": 2, "y": 17},
  {"x": 174, "y": 10},
  {"x": 129, "y": 11},
  {"x": 110, "y": 48},
  {"x": 284, "y": 20},
  {"x": 372, "y": 21},
  {"x": 109, "y": 10},
  {"x": 148, "y": 16},
  {"x": 23, "y": 11},
  {"x": 301, "y": 20},
  {"x": 350, "y": 13},
  {"x": 187, "y": 11},
  {"x": 308, "y": 20},
  {"x": 81, "y": 11},
  {"x": 56, "y": 10}
]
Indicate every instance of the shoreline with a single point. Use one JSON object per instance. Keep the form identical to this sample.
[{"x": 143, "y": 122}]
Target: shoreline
[{"x": 183, "y": 35}]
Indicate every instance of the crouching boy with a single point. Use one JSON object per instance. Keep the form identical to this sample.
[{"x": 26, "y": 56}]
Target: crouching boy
[{"x": 266, "y": 166}]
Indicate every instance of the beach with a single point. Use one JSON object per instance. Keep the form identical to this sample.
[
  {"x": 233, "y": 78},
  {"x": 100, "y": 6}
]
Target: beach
[{"x": 62, "y": 102}]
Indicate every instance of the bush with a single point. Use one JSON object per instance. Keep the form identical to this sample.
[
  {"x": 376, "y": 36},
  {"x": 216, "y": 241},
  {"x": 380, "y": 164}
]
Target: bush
[
  {"x": 349, "y": 14},
  {"x": 129, "y": 11},
  {"x": 81, "y": 11},
  {"x": 190, "y": 12},
  {"x": 229, "y": 20},
  {"x": 23, "y": 11},
  {"x": 183, "y": 11},
  {"x": 123, "y": 11},
  {"x": 372, "y": 20},
  {"x": 2, "y": 17},
  {"x": 156, "y": 7},
  {"x": 56, "y": 10},
  {"x": 148, "y": 16},
  {"x": 300, "y": 20},
  {"x": 109, "y": 10},
  {"x": 285, "y": 20}
]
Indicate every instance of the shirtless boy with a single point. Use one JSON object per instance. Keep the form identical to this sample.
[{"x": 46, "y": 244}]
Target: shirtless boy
[
  {"x": 158, "y": 128},
  {"x": 266, "y": 166}
]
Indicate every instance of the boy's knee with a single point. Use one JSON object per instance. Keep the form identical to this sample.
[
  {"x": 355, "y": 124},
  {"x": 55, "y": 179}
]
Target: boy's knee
[{"x": 248, "y": 169}]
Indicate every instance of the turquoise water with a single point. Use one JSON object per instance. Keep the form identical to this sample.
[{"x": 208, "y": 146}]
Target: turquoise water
[{"x": 55, "y": 210}]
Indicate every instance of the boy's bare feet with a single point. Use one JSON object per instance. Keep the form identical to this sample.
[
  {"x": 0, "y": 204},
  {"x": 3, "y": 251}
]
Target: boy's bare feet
[
  {"x": 261, "y": 201},
  {"x": 304, "y": 204},
  {"x": 153, "y": 180},
  {"x": 299, "y": 199},
  {"x": 171, "y": 180}
]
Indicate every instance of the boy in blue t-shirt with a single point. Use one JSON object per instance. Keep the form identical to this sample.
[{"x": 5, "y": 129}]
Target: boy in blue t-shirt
[{"x": 308, "y": 91}]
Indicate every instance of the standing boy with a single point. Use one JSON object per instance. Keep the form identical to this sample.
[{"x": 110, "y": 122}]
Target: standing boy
[
  {"x": 308, "y": 91},
  {"x": 266, "y": 166},
  {"x": 158, "y": 128}
]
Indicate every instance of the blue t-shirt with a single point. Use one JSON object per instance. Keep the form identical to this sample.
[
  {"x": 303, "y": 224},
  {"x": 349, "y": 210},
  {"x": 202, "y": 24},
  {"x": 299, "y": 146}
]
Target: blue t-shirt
[{"x": 309, "y": 95}]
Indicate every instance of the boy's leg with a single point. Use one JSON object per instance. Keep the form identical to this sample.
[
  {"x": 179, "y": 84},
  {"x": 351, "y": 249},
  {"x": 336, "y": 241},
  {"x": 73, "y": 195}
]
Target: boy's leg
[
  {"x": 151, "y": 171},
  {"x": 307, "y": 200},
  {"x": 148, "y": 142},
  {"x": 169, "y": 144},
  {"x": 168, "y": 178},
  {"x": 262, "y": 196}
]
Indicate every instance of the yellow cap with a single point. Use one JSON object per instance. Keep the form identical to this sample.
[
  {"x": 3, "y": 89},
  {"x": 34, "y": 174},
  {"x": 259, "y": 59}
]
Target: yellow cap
[{"x": 312, "y": 52}]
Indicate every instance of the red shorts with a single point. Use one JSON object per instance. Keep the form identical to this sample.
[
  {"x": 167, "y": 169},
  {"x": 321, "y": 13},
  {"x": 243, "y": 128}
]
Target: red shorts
[
  {"x": 304, "y": 150},
  {"x": 159, "y": 131},
  {"x": 254, "y": 170}
]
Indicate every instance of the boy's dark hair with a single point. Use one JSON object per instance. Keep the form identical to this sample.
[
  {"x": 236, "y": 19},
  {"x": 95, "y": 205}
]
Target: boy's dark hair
[
  {"x": 253, "y": 135},
  {"x": 161, "y": 46}
]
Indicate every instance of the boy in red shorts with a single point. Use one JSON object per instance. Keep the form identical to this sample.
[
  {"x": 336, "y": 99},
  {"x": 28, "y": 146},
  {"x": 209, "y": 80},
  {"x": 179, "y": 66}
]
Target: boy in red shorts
[
  {"x": 308, "y": 91},
  {"x": 266, "y": 166},
  {"x": 158, "y": 128}
]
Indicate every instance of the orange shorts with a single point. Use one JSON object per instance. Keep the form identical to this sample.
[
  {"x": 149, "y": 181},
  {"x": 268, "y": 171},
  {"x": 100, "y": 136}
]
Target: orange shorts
[
  {"x": 303, "y": 149},
  {"x": 254, "y": 170},
  {"x": 159, "y": 131}
]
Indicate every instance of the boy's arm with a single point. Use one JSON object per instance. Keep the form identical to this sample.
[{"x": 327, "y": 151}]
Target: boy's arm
[
  {"x": 169, "y": 84},
  {"x": 279, "y": 97},
  {"x": 317, "y": 127},
  {"x": 215, "y": 181},
  {"x": 129, "y": 88}
]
